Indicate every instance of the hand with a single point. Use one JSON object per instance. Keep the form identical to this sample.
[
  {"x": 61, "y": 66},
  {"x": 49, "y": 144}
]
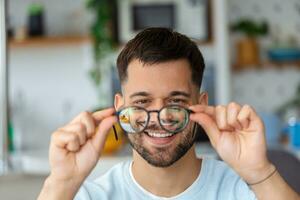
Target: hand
[
  {"x": 76, "y": 148},
  {"x": 237, "y": 134}
]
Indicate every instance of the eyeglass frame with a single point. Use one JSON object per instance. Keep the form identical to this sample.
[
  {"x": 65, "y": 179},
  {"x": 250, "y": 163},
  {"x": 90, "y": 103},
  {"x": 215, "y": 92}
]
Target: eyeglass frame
[{"x": 158, "y": 116}]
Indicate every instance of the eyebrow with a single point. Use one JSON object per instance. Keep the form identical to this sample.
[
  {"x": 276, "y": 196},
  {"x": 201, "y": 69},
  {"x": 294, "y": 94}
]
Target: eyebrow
[
  {"x": 144, "y": 94},
  {"x": 180, "y": 93},
  {"x": 172, "y": 94}
]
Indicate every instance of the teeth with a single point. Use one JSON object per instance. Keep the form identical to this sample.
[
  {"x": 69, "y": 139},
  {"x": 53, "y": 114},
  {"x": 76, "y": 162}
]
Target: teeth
[{"x": 160, "y": 135}]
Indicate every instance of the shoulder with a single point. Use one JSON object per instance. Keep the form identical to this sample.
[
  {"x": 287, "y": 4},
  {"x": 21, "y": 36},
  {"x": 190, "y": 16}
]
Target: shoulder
[
  {"x": 218, "y": 172},
  {"x": 218, "y": 167},
  {"x": 106, "y": 185},
  {"x": 225, "y": 180},
  {"x": 115, "y": 174}
]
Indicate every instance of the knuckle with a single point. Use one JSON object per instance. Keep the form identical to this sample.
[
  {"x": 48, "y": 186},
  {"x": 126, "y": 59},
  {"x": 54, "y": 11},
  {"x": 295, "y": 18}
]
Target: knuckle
[
  {"x": 81, "y": 127},
  {"x": 247, "y": 106},
  {"x": 240, "y": 117},
  {"x": 220, "y": 107},
  {"x": 231, "y": 121},
  {"x": 233, "y": 104},
  {"x": 73, "y": 137},
  {"x": 222, "y": 126},
  {"x": 54, "y": 135},
  {"x": 85, "y": 114}
]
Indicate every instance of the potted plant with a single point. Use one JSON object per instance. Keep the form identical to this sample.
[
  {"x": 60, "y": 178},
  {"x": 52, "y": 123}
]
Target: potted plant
[
  {"x": 36, "y": 20},
  {"x": 247, "y": 47},
  {"x": 104, "y": 45},
  {"x": 102, "y": 36}
]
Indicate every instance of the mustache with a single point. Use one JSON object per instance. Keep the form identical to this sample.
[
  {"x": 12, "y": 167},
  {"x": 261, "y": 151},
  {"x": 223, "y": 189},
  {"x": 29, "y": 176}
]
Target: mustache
[{"x": 153, "y": 127}]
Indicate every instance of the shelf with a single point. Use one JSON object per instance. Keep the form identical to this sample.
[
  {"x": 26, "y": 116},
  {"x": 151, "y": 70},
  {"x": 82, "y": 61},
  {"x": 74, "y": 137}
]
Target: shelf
[
  {"x": 48, "y": 41},
  {"x": 269, "y": 65}
]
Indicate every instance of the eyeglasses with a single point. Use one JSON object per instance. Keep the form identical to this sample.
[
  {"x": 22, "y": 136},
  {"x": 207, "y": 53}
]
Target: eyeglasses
[{"x": 172, "y": 118}]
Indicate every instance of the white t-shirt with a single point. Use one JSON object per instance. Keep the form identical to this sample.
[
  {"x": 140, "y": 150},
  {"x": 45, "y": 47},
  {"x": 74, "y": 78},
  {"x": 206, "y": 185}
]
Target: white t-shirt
[{"x": 215, "y": 181}]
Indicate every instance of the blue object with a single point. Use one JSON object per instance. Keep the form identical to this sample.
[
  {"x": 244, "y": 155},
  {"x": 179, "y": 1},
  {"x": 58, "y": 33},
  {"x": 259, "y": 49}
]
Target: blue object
[
  {"x": 284, "y": 54},
  {"x": 294, "y": 135},
  {"x": 273, "y": 127}
]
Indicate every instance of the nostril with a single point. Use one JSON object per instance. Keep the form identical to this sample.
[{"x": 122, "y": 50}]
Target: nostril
[
  {"x": 153, "y": 115},
  {"x": 153, "y": 122}
]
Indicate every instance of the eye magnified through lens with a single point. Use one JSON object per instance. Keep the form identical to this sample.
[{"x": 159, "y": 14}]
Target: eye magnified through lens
[{"x": 172, "y": 118}]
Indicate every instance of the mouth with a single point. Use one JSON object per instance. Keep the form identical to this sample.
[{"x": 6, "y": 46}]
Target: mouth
[
  {"x": 156, "y": 134},
  {"x": 158, "y": 138}
]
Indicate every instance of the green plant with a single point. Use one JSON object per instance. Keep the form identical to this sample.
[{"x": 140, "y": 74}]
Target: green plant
[
  {"x": 101, "y": 32},
  {"x": 250, "y": 27},
  {"x": 35, "y": 9}
]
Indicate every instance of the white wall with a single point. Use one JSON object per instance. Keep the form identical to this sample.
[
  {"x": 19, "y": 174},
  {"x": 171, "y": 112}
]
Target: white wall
[
  {"x": 48, "y": 86},
  {"x": 265, "y": 89}
]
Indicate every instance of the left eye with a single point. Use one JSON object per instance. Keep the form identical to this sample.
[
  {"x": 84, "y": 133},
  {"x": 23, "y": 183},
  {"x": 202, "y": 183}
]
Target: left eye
[{"x": 177, "y": 101}]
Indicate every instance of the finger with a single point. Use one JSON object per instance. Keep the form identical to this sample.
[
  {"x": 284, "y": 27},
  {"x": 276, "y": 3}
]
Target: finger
[
  {"x": 78, "y": 128},
  {"x": 66, "y": 140},
  {"x": 232, "y": 111},
  {"x": 244, "y": 116},
  {"x": 87, "y": 119},
  {"x": 221, "y": 117},
  {"x": 100, "y": 115},
  {"x": 89, "y": 123},
  {"x": 209, "y": 125},
  {"x": 99, "y": 138},
  {"x": 209, "y": 110}
]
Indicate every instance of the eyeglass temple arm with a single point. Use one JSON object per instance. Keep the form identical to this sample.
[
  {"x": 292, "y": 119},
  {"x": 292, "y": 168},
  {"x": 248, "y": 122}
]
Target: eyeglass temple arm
[
  {"x": 115, "y": 132},
  {"x": 114, "y": 128}
]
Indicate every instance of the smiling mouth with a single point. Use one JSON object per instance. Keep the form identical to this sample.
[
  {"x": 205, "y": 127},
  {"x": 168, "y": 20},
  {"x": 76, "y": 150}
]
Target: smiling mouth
[{"x": 156, "y": 134}]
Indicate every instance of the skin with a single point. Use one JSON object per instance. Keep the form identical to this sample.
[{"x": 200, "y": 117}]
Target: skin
[{"x": 235, "y": 131}]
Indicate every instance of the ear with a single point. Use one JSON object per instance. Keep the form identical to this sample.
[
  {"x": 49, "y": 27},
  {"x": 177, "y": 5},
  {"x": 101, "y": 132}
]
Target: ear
[
  {"x": 203, "y": 98},
  {"x": 119, "y": 101}
]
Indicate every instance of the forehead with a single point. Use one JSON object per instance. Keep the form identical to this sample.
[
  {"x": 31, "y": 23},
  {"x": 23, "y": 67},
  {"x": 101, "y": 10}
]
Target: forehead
[{"x": 158, "y": 78}]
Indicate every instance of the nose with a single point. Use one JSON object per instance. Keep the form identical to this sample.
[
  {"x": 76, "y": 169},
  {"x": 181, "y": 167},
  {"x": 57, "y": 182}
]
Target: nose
[
  {"x": 156, "y": 105},
  {"x": 153, "y": 115},
  {"x": 154, "y": 109}
]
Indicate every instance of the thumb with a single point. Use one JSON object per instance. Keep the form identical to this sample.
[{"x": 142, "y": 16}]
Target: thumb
[
  {"x": 209, "y": 125},
  {"x": 99, "y": 138}
]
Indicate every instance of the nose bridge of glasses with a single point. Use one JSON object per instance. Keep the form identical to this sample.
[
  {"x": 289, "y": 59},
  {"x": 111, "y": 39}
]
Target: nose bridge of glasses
[{"x": 153, "y": 116}]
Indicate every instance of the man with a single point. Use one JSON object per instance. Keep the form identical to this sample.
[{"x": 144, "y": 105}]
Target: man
[{"x": 161, "y": 73}]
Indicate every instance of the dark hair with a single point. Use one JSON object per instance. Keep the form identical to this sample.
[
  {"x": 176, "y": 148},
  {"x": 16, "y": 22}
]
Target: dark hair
[{"x": 156, "y": 45}]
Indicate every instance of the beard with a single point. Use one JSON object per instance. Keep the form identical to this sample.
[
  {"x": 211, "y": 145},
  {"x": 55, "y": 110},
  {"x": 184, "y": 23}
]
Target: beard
[{"x": 163, "y": 156}]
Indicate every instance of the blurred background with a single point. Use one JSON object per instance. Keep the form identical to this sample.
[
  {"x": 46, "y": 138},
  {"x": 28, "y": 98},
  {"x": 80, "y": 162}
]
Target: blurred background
[{"x": 61, "y": 61}]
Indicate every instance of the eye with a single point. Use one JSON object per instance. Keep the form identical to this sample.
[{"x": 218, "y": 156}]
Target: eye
[
  {"x": 141, "y": 102},
  {"x": 178, "y": 101}
]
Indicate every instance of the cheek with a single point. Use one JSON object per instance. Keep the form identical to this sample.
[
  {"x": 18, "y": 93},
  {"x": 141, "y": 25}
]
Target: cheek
[
  {"x": 188, "y": 131},
  {"x": 135, "y": 138}
]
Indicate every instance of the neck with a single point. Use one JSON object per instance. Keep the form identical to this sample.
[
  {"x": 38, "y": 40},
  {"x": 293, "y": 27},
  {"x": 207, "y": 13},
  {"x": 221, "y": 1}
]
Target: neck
[{"x": 164, "y": 181}]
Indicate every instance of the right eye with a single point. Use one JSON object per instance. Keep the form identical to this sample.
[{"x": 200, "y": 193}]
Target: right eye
[{"x": 141, "y": 102}]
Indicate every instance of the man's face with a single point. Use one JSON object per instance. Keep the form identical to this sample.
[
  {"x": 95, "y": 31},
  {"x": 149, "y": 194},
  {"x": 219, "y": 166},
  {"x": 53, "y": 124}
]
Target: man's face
[{"x": 152, "y": 87}]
